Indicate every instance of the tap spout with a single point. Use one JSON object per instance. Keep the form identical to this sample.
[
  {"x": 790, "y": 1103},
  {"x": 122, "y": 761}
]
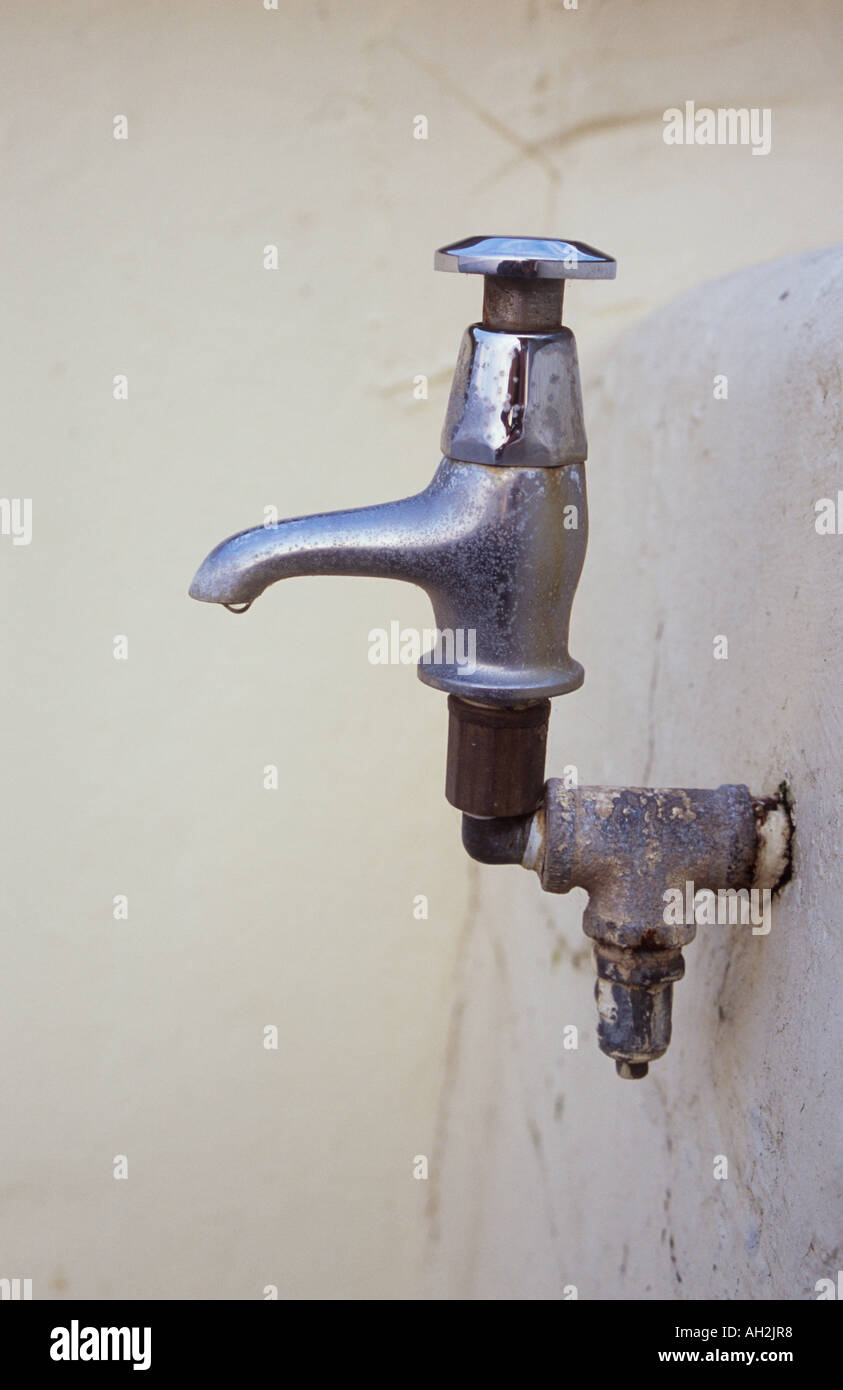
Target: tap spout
[
  {"x": 387, "y": 541},
  {"x": 489, "y": 545}
]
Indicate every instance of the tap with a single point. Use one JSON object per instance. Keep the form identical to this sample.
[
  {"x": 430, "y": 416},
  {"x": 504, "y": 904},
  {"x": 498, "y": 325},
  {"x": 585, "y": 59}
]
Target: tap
[{"x": 497, "y": 539}]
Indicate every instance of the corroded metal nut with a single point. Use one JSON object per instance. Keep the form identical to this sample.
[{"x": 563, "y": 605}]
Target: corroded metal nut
[{"x": 634, "y": 994}]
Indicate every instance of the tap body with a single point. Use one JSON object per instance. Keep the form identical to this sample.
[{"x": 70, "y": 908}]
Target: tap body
[{"x": 497, "y": 540}]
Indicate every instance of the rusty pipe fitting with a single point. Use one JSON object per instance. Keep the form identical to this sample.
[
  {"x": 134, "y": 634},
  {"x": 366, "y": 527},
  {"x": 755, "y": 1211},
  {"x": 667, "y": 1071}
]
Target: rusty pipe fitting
[
  {"x": 629, "y": 846},
  {"x": 632, "y": 849},
  {"x": 634, "y": 993}
]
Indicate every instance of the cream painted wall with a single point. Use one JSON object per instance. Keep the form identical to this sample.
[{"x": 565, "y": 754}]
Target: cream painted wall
[{"x": 292, "y": 1167}]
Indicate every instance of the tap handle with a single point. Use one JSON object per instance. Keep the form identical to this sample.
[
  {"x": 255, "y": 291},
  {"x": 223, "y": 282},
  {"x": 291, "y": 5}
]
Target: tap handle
[
  {"x": 526, "y": 257},
  {"x": 524, "y": 277}
]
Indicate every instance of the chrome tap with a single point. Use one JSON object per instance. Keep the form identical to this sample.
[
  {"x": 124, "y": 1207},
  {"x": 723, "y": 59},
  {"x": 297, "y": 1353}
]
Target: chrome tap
[{"x": 497, "y": 539}]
